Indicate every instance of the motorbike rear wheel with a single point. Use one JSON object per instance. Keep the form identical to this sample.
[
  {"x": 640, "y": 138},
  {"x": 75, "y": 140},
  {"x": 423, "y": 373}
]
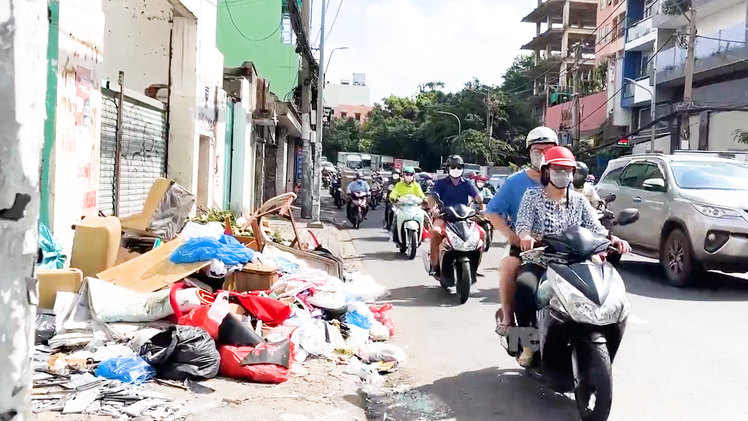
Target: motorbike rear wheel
[
  {"x": 595, "y": 380},
  {"x": 412, "y": 241},
  {"x": 463, "y": 280}
]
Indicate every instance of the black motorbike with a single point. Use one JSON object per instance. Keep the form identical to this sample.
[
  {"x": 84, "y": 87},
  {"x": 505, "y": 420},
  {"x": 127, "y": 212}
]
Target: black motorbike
[
  {"x": 357, "y": 208},
  {"x": 581, "y": 310},
  {"x": 376, "y": 194},
  {"x": 460, "y": 252},
  {"x": 608, "y": 220},
  {"x": 389, "y": 211}
]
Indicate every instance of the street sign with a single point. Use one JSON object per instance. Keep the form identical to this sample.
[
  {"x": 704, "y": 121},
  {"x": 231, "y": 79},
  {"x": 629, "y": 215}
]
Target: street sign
[{"x": 624, "y": 142}]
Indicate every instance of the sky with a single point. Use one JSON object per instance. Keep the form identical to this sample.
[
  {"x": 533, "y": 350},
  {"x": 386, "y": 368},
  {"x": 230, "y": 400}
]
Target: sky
[{"x": 400, "y": 44}]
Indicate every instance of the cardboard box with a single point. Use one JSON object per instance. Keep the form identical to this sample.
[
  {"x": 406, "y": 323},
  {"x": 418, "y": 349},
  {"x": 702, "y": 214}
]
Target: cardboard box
[
  {"x": 253, "y": 277},
  {"x": 95, "y": 244},
  {"x": 52, "y": 281}
]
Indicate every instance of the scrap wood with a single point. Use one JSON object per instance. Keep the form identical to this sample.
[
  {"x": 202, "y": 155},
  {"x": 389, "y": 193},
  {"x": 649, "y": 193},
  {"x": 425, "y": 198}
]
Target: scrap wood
[{"x": 151, "y": 271}]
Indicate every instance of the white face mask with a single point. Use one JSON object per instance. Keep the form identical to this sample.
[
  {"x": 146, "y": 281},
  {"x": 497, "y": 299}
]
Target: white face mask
[
  {"x": 560, "y": 178},
  {"x": 408, "y": 178},
  {"x": 455, "y": 173},
  {"x": 537, "y": 158},
  {"x": 480, "y": 185}
]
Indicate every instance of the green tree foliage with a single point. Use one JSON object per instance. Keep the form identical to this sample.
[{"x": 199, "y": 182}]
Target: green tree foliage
[{"x": 415, "y": 127}]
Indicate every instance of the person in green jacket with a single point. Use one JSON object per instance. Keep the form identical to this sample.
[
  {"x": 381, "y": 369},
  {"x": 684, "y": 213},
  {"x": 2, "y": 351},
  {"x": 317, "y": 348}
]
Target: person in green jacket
[{"x": 407, "y": 186}]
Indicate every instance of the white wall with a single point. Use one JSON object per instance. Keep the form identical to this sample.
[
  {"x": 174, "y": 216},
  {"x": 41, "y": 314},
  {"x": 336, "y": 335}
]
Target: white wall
[
  {"x": 137, "y": 41},
  {"x": 722, "y": 127},
  {"x": 642, "y": 95},
  {"x": 662, "y": 145},
  {"x": 722, "y": 19},
  {"x": 338, "y": 94}
]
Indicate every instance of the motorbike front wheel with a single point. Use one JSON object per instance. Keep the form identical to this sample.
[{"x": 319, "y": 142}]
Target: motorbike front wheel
[
  {"x": 489, "y": 240},
  {"x": 595, "y": 376},
  {"x": 463, "y": 279},
  {"x": 412, "y": 244}
]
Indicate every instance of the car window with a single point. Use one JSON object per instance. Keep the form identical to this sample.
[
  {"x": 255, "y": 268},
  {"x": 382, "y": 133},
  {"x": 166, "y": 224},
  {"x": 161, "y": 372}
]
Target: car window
[
  {"x": 635, "y": 174},
  {"x": 710, "y": 175},
  {"x": 612, "y": 176}
]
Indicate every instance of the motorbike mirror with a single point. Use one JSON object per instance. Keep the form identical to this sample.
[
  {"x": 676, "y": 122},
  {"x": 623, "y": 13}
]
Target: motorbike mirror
[
  {"x": 610, "y": 198},
  {"x": 628, "y": 216}
]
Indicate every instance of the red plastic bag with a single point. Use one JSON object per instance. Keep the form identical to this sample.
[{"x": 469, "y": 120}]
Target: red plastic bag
[
  {"x": 232, "y": 357},
  {"x": 269, "y": 310},
  {"x": 381, "y": 317},
  {"x": 198, "y": 317}
]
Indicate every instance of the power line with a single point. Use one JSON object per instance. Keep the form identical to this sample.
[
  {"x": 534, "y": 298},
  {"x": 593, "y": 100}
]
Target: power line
[
  {"x": 723, "y": 40},
  {"x": 231, "y": 17},
  {"x": 334, "y": 20},
  {"x": 327, "y": 7},
  {"x": 596, "y": 109}
]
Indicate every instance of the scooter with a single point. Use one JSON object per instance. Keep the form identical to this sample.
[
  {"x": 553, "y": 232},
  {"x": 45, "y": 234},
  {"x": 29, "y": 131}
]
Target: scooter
[
  {"x": 376, "y": 194},
  {"x": 608, "y": 220},
  {"x": 409, "y": 219},
  {"x": 389, "y": 213},
  {"x": 358, "y": 204},
  {"x": 337, "y": 193},
  {"x": 487, "y": 227},
  {"x": 581, "y": 317},
  {"x": 460, "y": 252}
]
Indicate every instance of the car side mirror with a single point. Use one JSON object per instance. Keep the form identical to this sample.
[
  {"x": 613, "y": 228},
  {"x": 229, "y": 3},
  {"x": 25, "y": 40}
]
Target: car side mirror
[
  {"x": 654, "y": 184},
  {"x": 628, "y": 216},
  {"x": 610, "y": 198}
]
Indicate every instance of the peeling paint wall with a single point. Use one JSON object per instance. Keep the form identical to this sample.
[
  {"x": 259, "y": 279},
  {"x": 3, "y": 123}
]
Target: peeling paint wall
[
  {"x": 75, "y": 156},
  {"x": 23, "y": 82}
]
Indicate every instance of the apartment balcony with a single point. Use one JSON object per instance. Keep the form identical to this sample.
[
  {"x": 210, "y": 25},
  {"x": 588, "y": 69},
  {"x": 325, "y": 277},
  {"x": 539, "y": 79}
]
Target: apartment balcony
[
  {"x": 586, "y": 9},
  {"x": 716, "y": 54},
  {"x": 668, "y": 14},
  {"x": 552, "y": 38},
  {"x": 641, "y": 36},
  {"x": 635, "y": 94}
]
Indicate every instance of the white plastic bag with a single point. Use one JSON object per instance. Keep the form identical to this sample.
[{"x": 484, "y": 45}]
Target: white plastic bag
[
  {"x": 364, "y": 372},
  {"x": 364, "y": 288},
  {"x": 379, "y": 332},
  {"x": 375, "y": 352},
  {"x": 195, "y": 230},
  {"x": 312, "y": 337}
]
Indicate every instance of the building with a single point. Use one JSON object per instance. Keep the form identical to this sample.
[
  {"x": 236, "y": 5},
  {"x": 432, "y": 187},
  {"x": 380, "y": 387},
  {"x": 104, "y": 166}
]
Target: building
[
  {"x": 720, "y": 79},
  {"x": 559, "y": 25},
  {"x": 349, "y": 100}
]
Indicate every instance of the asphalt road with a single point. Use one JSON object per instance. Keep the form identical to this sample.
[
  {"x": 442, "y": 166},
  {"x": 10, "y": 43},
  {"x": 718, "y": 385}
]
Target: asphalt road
[{"x": 682, "y": 358}]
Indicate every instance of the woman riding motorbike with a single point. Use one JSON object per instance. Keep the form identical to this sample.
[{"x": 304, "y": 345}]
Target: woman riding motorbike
[{"x": 548, "y": 210}]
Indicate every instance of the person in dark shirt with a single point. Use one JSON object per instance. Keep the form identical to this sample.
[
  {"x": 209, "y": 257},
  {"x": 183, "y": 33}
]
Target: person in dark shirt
[{"x": 453, "y": 190}]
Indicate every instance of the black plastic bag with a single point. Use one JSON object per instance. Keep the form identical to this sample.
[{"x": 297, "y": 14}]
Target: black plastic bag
[
  {"x": 182, "y": 352},
  {"x": 235, "y": 333},
  {"x": 45, "y": 326}
]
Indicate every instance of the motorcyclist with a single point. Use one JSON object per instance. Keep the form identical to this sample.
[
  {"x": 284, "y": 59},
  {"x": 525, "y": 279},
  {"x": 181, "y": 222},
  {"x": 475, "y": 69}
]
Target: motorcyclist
[
  {"x": 480, "y": 183},
  {"x": 388, "y": 213},
  {"x": 358, "y": 185},
  {"x": 406, "y": 187},
  {"x": 582, "y": 186},
  {"x": 453, "y": 190},
  {"x": 544, "y": 211},
  {"x": 502, "y": 213}
]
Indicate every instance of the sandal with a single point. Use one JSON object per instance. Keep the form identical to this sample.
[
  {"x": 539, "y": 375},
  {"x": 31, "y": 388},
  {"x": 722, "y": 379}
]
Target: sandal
[
  {"x": 501, "y": 328},
  {"x": 525, "y": 359}
]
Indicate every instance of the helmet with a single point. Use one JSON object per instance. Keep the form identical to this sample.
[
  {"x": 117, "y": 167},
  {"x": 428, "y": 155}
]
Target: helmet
[
  {"x": 541, "y": 134},
  {"x": 580, "y": 176},
  {"x": 359, "y": 175},
  {"x": 561, "y": 156},
  {"x": 454, "y": 161},
  {"x": 396, "y": 171},
  {"x": 409, "y": 170}
]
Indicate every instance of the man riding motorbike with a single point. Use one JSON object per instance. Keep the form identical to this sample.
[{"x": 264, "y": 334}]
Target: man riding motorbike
[
  {"x": 452, "y": 191},
  {"x": 406, "y": 187},
  {"x": 582, "y": 186},
  {"x": 544, "y": 211},
  {"x": 480, "y": 183},
  {"x": 359, "y": 185},
  {"x": 502, "y": 212}
]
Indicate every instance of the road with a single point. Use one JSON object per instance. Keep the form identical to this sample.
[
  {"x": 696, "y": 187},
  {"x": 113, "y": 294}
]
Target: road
[{"x": 682, "y": 357}]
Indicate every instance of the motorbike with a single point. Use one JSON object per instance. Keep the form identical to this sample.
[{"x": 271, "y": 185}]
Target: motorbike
[
  {"x": 389, "y": 212},
  {"x": 487, "y": 228},
  {"x": 460, "y": 252},
  {"x": 337, "y": 193},
  {"x": 409, "y": 220},
  {"x": 325, "y": 179},
  {"x": 376, "y": 194},
  {"x": 582, "y": 311},
  {"x": 608, "y": 220},
  {"x": 358, "y": 204}
]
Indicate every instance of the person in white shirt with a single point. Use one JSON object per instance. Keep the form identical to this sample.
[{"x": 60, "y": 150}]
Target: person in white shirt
[{"x": 582, "y": 186}]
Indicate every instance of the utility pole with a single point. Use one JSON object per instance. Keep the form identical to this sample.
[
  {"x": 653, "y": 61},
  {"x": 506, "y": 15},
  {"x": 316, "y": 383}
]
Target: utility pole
[
  {"x": 688, "y": 88},
  {"x": 489, "y": 125},
  {"x": 23, "y": 86},
  {"x": 305, "y": 78},
  {"x": 653, "y": 106},
  {"x": 575, "y": 117},
  {"x": 317, "y": 192}
]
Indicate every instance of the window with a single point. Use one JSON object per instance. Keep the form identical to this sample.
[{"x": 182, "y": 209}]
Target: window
[
  {"x": 613, "y": 176},
  {"x": 358, "y": 116},
  {"x": 343, "y": 115},
  {"x": 648, "y": 7},
  {"x": 635, "y": 174}
]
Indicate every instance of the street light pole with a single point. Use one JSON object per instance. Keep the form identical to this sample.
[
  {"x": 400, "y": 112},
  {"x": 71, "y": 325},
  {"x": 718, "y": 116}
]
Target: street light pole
[
  {"x": 653, "y": 108},
  {"x": 317, "y": 191},
  {"x": 329, "y": 59},
  {"x": 459, "y": 122}
]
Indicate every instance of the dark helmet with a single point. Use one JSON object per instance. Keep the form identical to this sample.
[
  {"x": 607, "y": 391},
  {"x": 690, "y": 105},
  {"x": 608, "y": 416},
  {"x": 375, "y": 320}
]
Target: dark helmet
[
  {"x": 580, "y": 176},
  {"x": 359, "y": 175},
  {"x": 454, "y": 161}
]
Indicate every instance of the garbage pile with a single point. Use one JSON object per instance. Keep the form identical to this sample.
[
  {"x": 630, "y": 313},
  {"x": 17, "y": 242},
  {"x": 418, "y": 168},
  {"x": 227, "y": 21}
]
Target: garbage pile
[{"x": 200, "y": 306}]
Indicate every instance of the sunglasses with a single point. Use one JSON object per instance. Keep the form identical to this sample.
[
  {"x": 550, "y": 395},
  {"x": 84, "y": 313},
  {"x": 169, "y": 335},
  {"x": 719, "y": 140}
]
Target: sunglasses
[{"x": 455, "y": 167}]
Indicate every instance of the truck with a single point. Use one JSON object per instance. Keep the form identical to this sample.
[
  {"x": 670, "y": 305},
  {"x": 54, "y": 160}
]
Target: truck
[
  {"x": 349, "y": 160},
  {"x": 402, "y": 163},
  {"x": 388, "y": 163}
]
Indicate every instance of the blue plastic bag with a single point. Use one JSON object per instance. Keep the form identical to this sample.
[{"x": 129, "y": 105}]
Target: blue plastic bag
[
  {"x": 204, "y": 249},
  {"x": 357, "y": 319},
  {"x": 130, "y": 369},
  {"x": 52, "y": 257},
  {"x": 285, "y": 265}
]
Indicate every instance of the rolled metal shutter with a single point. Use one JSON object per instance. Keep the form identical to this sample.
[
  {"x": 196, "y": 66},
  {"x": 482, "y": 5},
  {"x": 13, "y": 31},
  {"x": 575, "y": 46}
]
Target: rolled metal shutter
[
  {"x": 106, "y": 158},
  {"x": 143, "y": 153}
]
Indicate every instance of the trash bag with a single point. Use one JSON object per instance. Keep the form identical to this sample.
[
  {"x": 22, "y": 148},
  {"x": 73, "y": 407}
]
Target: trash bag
[
  {"x": 227, "y": 249},
  {"x": 182, "y": 352},
  {"x": 45, "y": 326},
  {"x": 208, "y": 316},
  {"x": 360, "y": 287},
  {"x": 265, "y": 363},
  {"x": 130, "y": 369},
  {"x": 51, "y": 250},
  {"x": 380, "y": 315},
  {"x": 269, "y": 310},
  {"x": 235, "y": 333},
  {"x": 374, "y": 352},
  {"x": 357, "y": 319}
]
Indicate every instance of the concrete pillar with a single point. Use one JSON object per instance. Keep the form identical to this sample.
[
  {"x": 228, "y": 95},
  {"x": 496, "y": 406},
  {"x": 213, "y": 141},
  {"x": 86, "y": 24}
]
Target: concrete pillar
[
  {"x": 567, "y": 7},
  {"x": 23, "y": 84}
]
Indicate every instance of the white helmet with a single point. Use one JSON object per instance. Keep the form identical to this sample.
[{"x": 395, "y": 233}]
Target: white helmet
[{"x": 541, "y": 134}]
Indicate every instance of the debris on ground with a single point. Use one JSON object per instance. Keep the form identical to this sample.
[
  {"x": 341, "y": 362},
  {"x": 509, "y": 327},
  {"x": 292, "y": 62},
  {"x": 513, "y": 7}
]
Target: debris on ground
[{"x": 202, "y": 305}]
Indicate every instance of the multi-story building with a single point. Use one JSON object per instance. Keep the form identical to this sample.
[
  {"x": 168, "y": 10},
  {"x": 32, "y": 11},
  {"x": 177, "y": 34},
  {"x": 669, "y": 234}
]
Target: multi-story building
[
  {"x": 349, "y": 100},
  {"x": 559, "y": 25},
  {"x": 720, "y": 78}
]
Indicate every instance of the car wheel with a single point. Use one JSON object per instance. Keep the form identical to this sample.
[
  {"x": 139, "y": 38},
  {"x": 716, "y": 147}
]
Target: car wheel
[{"x": 676, "y": 257}]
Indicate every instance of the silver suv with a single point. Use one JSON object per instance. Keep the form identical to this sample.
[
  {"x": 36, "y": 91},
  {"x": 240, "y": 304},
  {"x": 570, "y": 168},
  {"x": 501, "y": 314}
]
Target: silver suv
[{"x": 693, "y": 206}]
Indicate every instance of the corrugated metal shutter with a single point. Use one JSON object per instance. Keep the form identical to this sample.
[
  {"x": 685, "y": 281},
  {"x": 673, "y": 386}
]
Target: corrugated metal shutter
[{"x": 143, "y": 153}]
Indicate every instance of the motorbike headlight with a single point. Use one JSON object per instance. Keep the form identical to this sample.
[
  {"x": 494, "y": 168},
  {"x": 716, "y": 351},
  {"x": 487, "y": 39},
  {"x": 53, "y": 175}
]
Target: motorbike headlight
[
  {"x": 581, "y": 309},
  {"x": 471, "y": 244}
]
